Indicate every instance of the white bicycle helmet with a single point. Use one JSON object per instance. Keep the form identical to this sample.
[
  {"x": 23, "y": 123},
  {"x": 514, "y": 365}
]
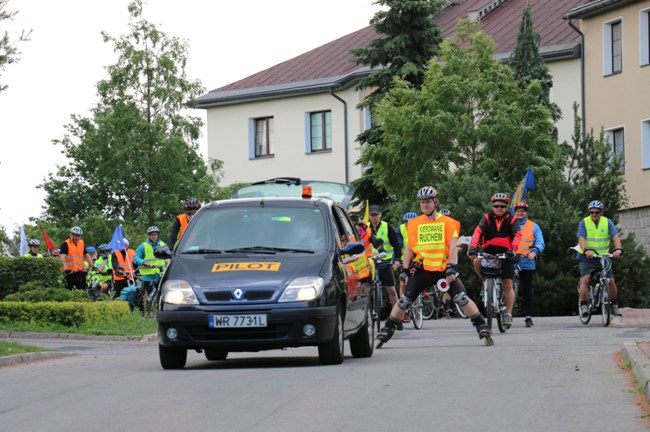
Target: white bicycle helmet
[
  {"x": 596, "y": 204},
  {"x": 34, "y": 242},
  {"x": 77, "y": 230},
  {"x": 153, "y": 228},
  {"x": 427, "y": 192}
]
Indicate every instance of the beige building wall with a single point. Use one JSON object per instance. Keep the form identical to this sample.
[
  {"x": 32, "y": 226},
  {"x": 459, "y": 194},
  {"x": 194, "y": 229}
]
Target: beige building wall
[
  {"x": 565, "y": 91},
  {"x": 228, "y": 139},
  {"x": 622, "y": 99}
]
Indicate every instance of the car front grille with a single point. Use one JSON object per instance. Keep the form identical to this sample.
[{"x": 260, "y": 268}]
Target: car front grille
[
  {"x": 271, "y": 332},
  {"x": 226, "y": 296}
]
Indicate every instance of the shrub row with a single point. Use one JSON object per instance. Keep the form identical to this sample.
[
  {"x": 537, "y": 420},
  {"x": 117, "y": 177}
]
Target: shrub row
[
  {"x": 15, "y": 272},
  {"x": 69, "y": 314}
]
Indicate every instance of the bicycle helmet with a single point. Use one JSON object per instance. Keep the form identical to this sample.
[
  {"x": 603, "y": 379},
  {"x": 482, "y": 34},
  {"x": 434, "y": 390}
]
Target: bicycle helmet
[
  {"x": 596, "y": 204},
  {"x": 409, "y": 216},
  {"x": 521, "y": 205},
  {"x": 354, "y": 214},
  {"x": 427, "y": 192},
  {"x": 152, "y": 229},
  {"x": 191, "y": 204},
  {"x": 77, "y": 230},
  {"x": 91, "y": 249},
  {"x": 103, "y": 247},
  {"x": 500, "y": 197},
  {"x": 34, "y": 242},
  {"x": 445, "y": 212}
]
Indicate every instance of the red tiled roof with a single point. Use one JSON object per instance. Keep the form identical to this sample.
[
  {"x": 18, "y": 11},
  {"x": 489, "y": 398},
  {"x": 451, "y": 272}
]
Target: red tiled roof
[{"x": 502, "y": 23}]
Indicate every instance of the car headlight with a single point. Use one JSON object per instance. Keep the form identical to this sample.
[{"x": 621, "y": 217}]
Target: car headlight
[
  {"x": 178, "y": 292},
  {"x": 303, "y": 289}
]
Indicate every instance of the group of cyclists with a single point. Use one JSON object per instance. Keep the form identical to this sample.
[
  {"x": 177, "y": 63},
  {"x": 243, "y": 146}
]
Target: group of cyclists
[{"x": 430, "y": 254}]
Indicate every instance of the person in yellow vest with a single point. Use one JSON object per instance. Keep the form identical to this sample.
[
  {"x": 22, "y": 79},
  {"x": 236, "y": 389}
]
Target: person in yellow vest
[
  {"x": 594, "y": 234},
  {"x": 32, "y": 249},
  {"x": 432, "y": 238},
  {"x": 402, "y": 237},
  {"x": 150, "y": 267},
  {"x": 531, "y": 247},
  {"x": 72, "y": 253},
  {"x": 190, "y": 207},
  {"x": 123, "y": 269},
  {"x": 104, "y": 268},
  {"x": 383, "y": 231}
]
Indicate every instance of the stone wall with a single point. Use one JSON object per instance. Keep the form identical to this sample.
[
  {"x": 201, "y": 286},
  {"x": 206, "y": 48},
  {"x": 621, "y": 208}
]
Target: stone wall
[{"x": 636, "y": 221}]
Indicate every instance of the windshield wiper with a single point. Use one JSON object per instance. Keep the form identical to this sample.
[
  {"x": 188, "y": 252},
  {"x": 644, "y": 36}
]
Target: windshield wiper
[
  {"x": 266, "y": 249},
  {"x": 202, "y": 251}
]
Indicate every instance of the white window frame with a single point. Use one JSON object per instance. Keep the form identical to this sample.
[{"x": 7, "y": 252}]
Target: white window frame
[
  {"x": 608, "y": 66},
  {"x": 644, "y": 37},
  {"x": 609, "y": 136},
  {"x": 645, "y": 143}
]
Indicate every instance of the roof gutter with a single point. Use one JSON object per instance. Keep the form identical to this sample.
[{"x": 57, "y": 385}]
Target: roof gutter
[
  {"x": 345, "y": 133},
  {"x": 582, "y": 78}
]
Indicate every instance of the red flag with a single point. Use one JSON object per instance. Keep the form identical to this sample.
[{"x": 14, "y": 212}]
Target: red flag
[{"x": 48, "y": 242}]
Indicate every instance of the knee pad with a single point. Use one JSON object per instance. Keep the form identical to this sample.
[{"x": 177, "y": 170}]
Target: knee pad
[
  {"x": 461, "y": 299},
  {"x": 404, "y": 302}
]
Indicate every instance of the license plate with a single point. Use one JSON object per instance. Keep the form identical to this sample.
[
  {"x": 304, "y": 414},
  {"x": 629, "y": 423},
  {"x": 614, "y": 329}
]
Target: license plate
[{"x": 237, "y": 321}]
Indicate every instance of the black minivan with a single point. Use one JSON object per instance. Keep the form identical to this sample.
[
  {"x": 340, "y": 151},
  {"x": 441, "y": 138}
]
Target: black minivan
[{"x": 275, "y": 267}]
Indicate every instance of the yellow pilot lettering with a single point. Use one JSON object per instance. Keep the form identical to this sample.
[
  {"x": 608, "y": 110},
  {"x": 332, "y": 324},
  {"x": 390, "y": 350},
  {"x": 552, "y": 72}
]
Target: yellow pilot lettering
[
  {"x": 431, "y": 233},
  {"x": 245, "y": 266}
]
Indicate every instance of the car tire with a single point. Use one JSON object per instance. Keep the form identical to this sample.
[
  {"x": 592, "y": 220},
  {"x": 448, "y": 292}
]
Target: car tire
[
  {"x": 331, "y": 352},
  {"x": 172, "y": 357},
  {"x": 215, "y": 354},
  {"x": 362, "y": 344}
]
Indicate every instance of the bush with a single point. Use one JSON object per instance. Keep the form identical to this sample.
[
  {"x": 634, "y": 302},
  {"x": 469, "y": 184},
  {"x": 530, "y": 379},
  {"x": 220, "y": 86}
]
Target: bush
[
  {"x": 15, "y": 272},
  {"x": 34, "y": 292},
  {"x": 68, "y": 314}
]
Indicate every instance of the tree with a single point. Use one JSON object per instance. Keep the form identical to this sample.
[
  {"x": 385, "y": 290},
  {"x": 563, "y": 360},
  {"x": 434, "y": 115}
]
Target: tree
[
  {"x": 8, "y": 46},
  {"x": 528, "y": 64},
  {"x": 408, "y": 39},
  {"x": 137, "y": 156}
]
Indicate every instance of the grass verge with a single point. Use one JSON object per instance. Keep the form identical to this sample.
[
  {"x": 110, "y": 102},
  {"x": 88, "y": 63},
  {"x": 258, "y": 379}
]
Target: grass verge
[{"x": 10, "y": 348}]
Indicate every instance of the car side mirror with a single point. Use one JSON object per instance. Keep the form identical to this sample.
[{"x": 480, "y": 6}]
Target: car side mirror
[
  {"x": 163, "y": 252},
  {"x": 352, "y": 248}
]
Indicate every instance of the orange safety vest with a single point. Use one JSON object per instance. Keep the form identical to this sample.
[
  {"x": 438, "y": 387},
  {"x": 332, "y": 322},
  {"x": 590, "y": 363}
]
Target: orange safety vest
[
  {"x": 527, "y": 238},
  {"x": 125, "y": 265},
  {"x": 74, "y": 259},
  {"x": 182, "y": 218},
  {"x": 429, "y": 240}
]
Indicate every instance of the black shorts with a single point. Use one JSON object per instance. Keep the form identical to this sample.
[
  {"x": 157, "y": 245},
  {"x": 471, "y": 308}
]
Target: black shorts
[
  {"x": 423, "y": 279},
  {"x": 386, "y": 275},
  {"x": 507, "y": 269}
]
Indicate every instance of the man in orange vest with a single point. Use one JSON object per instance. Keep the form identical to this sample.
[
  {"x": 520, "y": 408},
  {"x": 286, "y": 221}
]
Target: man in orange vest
[
  {"x": 432, "y": 239},
  {"x": 73, "y": 253},
  {"x": 531, "y": 246},
  {"x": 190, "y": 206},
  {"x": 123, "y": 269}
]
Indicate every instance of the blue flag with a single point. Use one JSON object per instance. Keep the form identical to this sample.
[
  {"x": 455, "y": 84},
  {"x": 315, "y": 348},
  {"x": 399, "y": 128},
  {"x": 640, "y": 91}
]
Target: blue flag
[
  {"x": 528, "y": 182},
  {"x": 23, "y": 241},
  {"x": 117, "y": 241}
]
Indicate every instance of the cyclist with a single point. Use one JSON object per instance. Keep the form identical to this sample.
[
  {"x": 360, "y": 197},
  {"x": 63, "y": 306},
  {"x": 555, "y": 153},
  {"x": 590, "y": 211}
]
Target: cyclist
[
  {"x": 369, "y": 240},
  {"x": 594, "y": 234},
  {"x": 149, "y": 265},
  {"x": 530, "y": 247},
  {"x": 123, "y": 270},
  {"x": 498, "y": 231},
  {"x": 383, "y": 231},
  {"x": 190, "y": 206},
  {"x": 432, "y": 239},
  {"x": 104, "y": 268},
  {"x": 72, "y": 253},
  {"x": 32, "y": 249},
  {"x": 402, "y": 237}
]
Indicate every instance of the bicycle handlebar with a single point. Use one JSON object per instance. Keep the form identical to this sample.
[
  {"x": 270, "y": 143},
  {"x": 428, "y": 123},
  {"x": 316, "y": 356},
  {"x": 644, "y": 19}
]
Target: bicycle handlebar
[{"x": 482, "y": 255}]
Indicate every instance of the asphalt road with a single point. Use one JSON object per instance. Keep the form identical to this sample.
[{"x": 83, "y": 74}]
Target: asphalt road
[{"x": 557, "y": 376}]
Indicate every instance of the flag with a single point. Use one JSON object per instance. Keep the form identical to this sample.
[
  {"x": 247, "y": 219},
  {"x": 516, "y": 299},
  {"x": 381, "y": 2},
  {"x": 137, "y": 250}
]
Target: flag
[
  {"x": 117, "y": 241},
  {"x": 48, "y": 242},
  {"x": 528, "y": 182},
  {"x": 23, "y": 241},
  {"x": 366, "y": 217}
]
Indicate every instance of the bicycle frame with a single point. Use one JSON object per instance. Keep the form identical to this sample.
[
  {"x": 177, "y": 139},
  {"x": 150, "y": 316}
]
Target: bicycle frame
[
  {"x": 598, "y": 292},
  {"x": 492, "y": 292}
]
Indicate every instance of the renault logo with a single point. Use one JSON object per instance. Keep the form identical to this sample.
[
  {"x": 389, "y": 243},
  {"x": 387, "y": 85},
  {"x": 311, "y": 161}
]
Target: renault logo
[{"x": 238, "y": 293}]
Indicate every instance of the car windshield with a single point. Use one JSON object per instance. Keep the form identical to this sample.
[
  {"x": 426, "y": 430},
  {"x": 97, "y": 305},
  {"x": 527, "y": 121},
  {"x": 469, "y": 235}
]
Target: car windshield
[
  {"x": 267, "y": 229},
  {"x": 290, "y": 187}
]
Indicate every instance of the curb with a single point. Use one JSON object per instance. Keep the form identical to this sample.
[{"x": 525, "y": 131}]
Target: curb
[
  {"x": 640, "y": 365},
  {"x": 75, "y": 336},
  {"x": 24, "y": 358}
]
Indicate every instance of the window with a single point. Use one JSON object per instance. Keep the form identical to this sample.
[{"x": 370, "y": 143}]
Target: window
[
  {"x": 263, "y": 137},
  {"x": 616, "y": 140},
  {"x": 613, "y": 47},
  {"x": 320, "y": 127},
  {"x": 645, "y": 144},
  {"x": 644, "y": 37}
]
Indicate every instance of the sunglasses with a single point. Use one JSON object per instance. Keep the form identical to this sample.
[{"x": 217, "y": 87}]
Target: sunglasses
[
  {"x": 594, "y": 212},
  {"x": 499, "y": 206}
]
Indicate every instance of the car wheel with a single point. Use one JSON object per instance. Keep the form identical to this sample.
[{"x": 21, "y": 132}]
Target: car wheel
[
  {"x": 332, "y": 352},
  {"x": 172, "y": 357},
  {"x": 362, "y": 344},
  {"x": 215, "y": 354}
]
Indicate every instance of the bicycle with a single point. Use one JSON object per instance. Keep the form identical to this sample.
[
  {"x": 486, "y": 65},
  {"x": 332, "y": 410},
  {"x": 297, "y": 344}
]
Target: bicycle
[
  {"x": 433, "y": 306},
  {"x": 492, "y": 291},
  {"x": 597, "y": 296},
  {"x": 378, "y": 290},
  {"x": 415, "y": 312}
]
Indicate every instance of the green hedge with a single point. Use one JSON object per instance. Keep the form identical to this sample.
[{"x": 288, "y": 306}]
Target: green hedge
[
  {"x": 69, "y": 314},
  {"x": 14, "y": 272}
]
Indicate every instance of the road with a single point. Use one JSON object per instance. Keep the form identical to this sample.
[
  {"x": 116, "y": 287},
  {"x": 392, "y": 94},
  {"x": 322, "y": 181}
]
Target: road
[{"x": 557, "y": 376}]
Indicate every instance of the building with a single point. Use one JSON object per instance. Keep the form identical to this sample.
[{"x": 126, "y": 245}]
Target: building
[{"x": 616, "y": 92}]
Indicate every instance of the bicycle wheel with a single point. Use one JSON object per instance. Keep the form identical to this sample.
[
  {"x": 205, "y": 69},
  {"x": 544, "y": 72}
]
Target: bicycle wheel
[
  {"x": 585, "y": 319},
  {"x": 606, "y": 310},
  {"x": 488, "y": 287},
  {"x": 377, "y": 303},
  {"x": 515, "y": 287},
  {"x": 429, "y": 306},
  {"x": 499, "y": 307},
  {"x": 416, "y": 313}
]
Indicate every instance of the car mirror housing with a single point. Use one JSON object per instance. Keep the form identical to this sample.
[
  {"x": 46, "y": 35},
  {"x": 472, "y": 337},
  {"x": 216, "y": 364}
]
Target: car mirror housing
[
  {"x": 352, "y": 248},
  {"x": 163, "y": 252}
]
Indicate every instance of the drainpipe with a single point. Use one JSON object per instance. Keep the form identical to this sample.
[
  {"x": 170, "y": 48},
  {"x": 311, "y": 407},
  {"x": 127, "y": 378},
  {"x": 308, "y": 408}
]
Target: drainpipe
[
  {"x": 345, "y": 132},
  {"x": 582, "y": 77}
]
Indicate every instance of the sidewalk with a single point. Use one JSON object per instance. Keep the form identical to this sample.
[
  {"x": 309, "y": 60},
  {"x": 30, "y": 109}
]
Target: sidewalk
[{"x": 637, "y": 353}]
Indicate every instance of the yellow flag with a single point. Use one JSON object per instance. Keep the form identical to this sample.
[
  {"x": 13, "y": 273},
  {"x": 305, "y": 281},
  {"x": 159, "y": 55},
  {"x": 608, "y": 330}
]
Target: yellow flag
[{"x": 366, "y": 217}]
